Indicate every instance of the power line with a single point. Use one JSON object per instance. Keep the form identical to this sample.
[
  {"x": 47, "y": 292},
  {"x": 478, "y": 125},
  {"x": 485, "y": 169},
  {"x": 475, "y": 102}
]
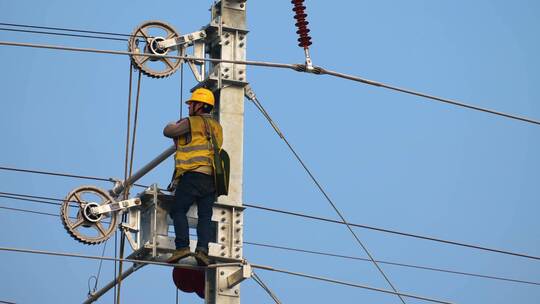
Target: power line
[
  {"x": 62, "y": 175},
  {"x": 29, "y": 211},
  {"x": 432, "y": 97},
  {"x": 112, "y": 52},
  {"x": 56, "y": 174},
  {"x": 393, "y": 263},
  {"x": 296, "y": 67},
  {"x": 251, "y": 95},
  {"x": 64, "y": 29},
  {"x": 328, "y": 254},
  {"x": 93, "y": 257},
  {"x": 61, "y": 34},
  {"x": 73, "y": 255},
  {"x": 322, "y": 219},
  {"x": 26, "y": 198},
  {"x": 427, "y": 238},
  {"x": 298, "y": 274}
]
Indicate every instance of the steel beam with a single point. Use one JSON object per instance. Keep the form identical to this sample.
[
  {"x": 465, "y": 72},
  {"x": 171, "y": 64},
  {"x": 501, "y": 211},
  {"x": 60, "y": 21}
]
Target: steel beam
[
  {"x": 96, "y": 295},
  {"x": 121, "y": 186}
]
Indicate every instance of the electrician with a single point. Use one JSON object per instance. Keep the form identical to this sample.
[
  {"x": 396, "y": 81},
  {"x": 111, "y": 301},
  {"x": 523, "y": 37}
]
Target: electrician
[{"x": 194, "y": 174}]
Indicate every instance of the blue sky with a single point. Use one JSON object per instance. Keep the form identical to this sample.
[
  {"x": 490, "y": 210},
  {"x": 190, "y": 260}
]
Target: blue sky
[{"x": 386, "y": 159}]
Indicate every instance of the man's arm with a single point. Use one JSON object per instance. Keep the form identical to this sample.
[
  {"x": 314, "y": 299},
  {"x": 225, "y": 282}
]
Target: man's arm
[{"x": 176, "y": 129}]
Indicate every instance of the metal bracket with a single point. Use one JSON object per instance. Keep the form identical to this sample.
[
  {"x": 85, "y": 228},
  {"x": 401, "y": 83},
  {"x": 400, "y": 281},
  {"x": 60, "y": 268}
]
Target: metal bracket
[
  {"x": 235, "y": 4},
  {"x": 249, "y": 93},
  {"x": 184, "y": 40},
  {"x": 238, "y": 276},
  {"x": 121, "y": 205}
]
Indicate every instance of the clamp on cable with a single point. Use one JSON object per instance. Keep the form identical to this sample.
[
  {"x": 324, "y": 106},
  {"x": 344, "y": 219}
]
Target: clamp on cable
[{"x": 304, "y": 39}]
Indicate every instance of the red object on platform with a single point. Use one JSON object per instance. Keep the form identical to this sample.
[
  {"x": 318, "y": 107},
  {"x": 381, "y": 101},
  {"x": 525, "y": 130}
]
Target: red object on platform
[{"x": 189, "y": 280}]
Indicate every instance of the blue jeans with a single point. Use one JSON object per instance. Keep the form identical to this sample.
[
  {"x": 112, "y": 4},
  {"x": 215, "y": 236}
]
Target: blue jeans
[{"x": 198, "y": 188}]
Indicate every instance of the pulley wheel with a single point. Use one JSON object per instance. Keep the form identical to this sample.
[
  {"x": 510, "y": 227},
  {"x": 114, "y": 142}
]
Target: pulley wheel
[
  {"x": 145, "y": 40},
  {"x": 79, "y": 220}
]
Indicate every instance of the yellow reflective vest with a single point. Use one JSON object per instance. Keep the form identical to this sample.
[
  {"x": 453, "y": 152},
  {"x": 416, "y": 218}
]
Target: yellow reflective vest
[{"x": 194, "y": 149}]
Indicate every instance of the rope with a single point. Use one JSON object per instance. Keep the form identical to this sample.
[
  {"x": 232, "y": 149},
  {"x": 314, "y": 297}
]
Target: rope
[
  {"x": 254, "y": 99},
  {"x": 126, "y": 190},
  {"x": 91, "y": 291}
]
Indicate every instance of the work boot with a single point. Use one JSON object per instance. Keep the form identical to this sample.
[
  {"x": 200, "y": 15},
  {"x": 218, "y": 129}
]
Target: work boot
[
  {"x": 202, "y": 257},
  {"x": 179, "y": 254}
]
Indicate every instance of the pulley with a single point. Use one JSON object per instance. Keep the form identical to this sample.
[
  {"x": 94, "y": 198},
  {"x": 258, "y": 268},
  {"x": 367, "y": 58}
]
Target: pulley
[
  {"x": 147, "y": 39},
  {"x": 81, "y": 220}
]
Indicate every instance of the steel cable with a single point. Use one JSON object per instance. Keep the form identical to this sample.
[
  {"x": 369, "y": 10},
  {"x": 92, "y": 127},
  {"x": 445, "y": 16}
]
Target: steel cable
[
  {"x": 61, "y": 34},
  {"x": 322, "y": 219},
  {"x": 262, "y": 267},
  {"x": 296, "y": 67},
  {"x": 63, "y": 175},
  {"x": 329, "y": 280},
  {"x": 417, "y": 236},
  {"x": 65, "y": 29},
  {"x": 254, "y": 99},
  {"x": 259, "y": 281},
  {"x": 328, "y": 254},
  {"x": 423, "y": 95}
]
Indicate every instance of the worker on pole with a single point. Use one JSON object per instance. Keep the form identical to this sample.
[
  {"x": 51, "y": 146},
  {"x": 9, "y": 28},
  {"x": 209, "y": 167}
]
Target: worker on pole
[{"x": 196, "y": 139}]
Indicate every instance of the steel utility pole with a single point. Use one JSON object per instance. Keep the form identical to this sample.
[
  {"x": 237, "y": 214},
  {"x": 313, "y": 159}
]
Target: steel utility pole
[{"x": 227, "y": 35}]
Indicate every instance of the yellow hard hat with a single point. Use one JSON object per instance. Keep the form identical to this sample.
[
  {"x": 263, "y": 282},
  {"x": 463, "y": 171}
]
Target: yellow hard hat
[{"x": 202, "y": 95}]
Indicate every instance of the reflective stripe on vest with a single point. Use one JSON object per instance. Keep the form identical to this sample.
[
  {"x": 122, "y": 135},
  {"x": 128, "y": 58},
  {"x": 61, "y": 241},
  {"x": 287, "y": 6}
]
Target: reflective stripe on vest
[
  {"x": 194, "y": 160},
  {"x": 193, "y": 148},
  {"x": 198, "y": 152}
]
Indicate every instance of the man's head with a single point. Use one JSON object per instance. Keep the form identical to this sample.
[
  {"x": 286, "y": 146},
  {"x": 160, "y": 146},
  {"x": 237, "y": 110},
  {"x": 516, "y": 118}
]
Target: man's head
[{"x": 201, "y": 101}]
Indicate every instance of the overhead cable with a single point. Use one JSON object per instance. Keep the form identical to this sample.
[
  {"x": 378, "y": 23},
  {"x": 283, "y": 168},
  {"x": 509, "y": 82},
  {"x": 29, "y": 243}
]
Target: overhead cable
[
  {"x": 427, "y": 238},
  {"x": 259, "y": 281},
  {"x": 64, "y": 29},
  {"x": 432, "y": 97},
  {"x": 296, "y": 67},
  {"x": 29, "y": 211},
  {"x": 317, "y": 218},
  {"x": 262, "y": 267},
  {"x": 61, "y": 34},
  {"x": 319, "y": 278},
  {"x": 62, "y": 175},
  {"x": 112, "y": 52},
  {"x": 328, "y": 254},
  {"x": 251, "y": 95},
  {"x": 27, "y": 198},
  {"x": 93, "y": 257}
]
